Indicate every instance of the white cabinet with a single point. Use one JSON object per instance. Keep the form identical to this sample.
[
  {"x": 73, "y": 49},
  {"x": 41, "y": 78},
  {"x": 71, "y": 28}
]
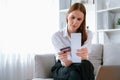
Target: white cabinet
[{"x": 107, "y": 13}]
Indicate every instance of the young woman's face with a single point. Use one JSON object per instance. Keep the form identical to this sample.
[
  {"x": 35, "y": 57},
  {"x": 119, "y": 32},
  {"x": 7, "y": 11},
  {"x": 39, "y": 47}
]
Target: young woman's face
[{"x": 75, "y": 18}]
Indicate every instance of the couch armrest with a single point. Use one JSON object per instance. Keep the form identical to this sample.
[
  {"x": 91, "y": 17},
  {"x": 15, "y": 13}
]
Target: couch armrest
[{"x": 43, "y": 64}]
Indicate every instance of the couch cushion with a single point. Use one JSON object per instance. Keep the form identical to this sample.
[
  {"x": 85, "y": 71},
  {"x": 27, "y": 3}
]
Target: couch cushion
[
  {"x": 43, "y": 64},
  {"x": 111, "y": 54},
  {"x": 95, "y": 56}
]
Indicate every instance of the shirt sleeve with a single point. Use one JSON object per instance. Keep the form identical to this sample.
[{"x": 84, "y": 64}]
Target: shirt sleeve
[{"x": 56, "y": 41}]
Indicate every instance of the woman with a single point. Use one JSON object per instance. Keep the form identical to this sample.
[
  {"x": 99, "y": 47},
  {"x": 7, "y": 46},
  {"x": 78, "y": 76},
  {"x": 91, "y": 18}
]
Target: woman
[{"x": 65, "y": 69}]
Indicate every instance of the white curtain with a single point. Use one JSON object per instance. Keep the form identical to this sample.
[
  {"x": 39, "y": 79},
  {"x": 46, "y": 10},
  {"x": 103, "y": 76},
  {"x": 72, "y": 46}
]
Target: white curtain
[
  {"x": 16, "y": 66},
  {"x": 26, "y": 27}
]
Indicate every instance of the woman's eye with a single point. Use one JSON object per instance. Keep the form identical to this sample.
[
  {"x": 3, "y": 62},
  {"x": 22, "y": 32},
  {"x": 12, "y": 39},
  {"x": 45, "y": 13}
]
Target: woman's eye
[
  {"x": 72, "y": 17},
  {"x": 79, "y": 19}
]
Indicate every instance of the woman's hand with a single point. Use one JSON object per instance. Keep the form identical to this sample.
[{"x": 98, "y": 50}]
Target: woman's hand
[
  {"x": 83, "y": 53},
  {"x": 63, "y": 56}
]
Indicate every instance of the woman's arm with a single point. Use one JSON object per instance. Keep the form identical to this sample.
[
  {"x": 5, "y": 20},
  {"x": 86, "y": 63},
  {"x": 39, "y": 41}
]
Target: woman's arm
[{"x": 61, "y": 55}]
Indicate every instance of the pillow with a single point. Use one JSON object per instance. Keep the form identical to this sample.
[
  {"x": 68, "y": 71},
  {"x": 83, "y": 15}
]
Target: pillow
[
  {"x": 111, "y": 54},
  {"x": 95, "y": 56},
  {"x": 43, "y": 64}
]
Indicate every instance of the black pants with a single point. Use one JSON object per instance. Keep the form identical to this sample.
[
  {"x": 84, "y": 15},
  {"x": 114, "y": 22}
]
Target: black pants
[{"x": 76, "y": 71}]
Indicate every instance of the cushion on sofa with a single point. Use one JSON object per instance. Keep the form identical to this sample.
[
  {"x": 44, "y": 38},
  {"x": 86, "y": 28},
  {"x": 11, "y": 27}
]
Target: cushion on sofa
[
  {"x": 95, "y": 56},
  {"x": 43, "y": 64},
  {"x": 111, "y": 54}
]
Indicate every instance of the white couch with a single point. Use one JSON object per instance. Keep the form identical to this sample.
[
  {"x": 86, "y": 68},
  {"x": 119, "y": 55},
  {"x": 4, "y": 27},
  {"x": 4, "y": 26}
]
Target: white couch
[{"x": 107, "y": 54}]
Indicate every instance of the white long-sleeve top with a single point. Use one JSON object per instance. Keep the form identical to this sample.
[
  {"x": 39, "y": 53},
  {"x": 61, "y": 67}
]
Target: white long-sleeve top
[{"x": 61, "y": 39}]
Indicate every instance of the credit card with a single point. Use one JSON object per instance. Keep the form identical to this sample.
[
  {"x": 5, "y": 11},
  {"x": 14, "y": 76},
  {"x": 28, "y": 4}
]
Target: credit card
[{"x": 65, "y": 49}]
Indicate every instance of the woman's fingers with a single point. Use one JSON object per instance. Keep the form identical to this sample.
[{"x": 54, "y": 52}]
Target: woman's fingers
[{"x": 62, "y": 55}]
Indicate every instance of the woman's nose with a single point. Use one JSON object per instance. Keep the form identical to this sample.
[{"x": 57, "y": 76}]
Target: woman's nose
[{"x": 74, "y": 21}]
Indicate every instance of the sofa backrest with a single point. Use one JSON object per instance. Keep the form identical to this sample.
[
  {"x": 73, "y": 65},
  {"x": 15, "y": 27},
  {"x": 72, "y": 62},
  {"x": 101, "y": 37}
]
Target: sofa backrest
[
  {"x": 95, "y": 56},
  {"x": 107, "y": 54},
  {"x": 43, "y": 65}
]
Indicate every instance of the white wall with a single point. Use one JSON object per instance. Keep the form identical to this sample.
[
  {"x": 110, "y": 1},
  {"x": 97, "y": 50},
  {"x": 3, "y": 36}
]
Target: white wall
[{"x": 26, "y": 26}]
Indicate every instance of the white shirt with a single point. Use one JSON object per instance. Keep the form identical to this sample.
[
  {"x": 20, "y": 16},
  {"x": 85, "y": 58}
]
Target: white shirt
[{"x": 61, "y": 39}]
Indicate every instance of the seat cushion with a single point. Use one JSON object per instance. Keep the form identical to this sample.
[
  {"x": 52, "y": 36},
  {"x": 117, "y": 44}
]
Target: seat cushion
[{"x": 111, "y": 54}]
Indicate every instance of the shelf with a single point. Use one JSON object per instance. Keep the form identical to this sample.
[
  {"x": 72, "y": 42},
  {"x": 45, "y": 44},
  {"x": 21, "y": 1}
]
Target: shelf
[
  {"x": 114, "y": 10},
  {"x": 107, "y": 13},
  {"x": 108, "y": 30}
]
